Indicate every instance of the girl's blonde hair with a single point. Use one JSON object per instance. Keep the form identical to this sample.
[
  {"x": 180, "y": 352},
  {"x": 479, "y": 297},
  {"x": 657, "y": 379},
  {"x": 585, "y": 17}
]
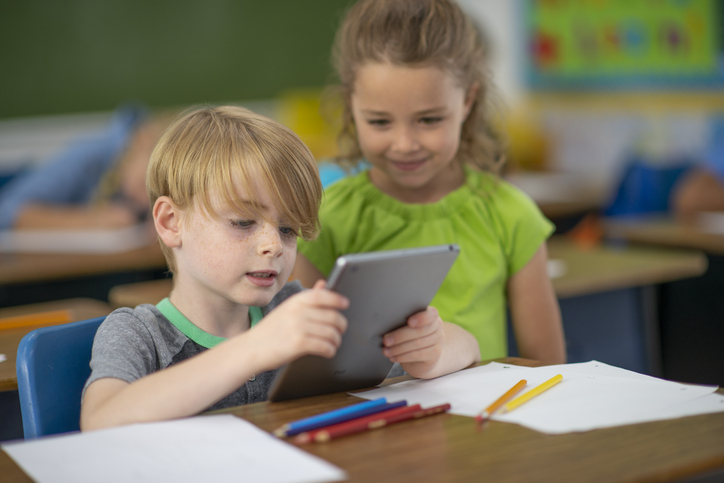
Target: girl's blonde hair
[
  {"x": 418, "y": 33},
  {"x": 225, "y": 149}
]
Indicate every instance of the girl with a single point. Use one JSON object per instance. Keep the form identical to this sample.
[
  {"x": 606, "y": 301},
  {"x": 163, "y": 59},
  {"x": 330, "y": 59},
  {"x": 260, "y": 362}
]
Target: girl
[{"x": 414, "y": 88}]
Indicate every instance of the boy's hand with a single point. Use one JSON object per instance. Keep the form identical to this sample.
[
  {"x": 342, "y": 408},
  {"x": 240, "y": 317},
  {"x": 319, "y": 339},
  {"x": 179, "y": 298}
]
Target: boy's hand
[
  {"x": 309, "y": 322},
  {"x": 419, "y": 345}
]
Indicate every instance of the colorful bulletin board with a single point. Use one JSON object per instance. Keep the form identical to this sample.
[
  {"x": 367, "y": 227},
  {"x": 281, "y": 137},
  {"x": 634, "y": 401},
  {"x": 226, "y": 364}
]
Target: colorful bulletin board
[{"x": 595, "y": 44}]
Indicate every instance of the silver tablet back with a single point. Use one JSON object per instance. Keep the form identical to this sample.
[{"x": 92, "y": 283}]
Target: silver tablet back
[{"x": 384, "y": 289}]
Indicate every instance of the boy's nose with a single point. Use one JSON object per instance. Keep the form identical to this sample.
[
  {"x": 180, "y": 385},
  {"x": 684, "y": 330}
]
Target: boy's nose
[{"x": 271, "y": 242}]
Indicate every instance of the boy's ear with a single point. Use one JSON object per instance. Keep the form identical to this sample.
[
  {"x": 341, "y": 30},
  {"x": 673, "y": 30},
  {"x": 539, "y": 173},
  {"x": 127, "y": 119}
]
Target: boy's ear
[
  {"x": 471, "y": 97},
  {"x": 167, "y": 220}
]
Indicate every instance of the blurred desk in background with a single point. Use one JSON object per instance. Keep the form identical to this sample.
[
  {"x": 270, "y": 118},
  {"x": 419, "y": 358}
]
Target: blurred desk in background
[
  {"x": 692, "y": 310},
  {"x": 665, "y": 231},
  {"x": 132, "y": 294},
  {"x": 561, "y": 195},
  {"x": 608, "y": 299},
  {"x": 38, "y": 277}
]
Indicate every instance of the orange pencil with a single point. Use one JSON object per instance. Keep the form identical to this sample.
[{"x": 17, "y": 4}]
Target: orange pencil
[
  {"x": 487, "y": 412},
  {"x": 54, "y": 317}
]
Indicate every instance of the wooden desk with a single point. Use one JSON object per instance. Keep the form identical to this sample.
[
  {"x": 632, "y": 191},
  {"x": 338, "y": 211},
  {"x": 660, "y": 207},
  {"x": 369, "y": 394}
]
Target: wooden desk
[
  {"x": 662, "y": 231},
  {"x": 79, "y": 309},
  {"x": 451, "y": 448},
  {"x": 603, "y": 268},
  {"x": 34, "y": 267},
  {"x": 28, "y": 278}
]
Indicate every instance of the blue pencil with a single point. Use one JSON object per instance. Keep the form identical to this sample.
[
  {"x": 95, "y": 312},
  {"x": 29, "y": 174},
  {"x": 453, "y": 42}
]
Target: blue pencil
[{"x": 337, "y": 416}]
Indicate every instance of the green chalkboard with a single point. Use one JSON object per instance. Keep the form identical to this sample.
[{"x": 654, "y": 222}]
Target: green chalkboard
[{"x": 64, "y": 56}]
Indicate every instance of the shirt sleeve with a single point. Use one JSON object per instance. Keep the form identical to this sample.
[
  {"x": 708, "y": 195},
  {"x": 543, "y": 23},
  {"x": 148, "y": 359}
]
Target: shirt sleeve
[
  {"x": 524, "y": 225},
  {"x": 123, "y": 348}
]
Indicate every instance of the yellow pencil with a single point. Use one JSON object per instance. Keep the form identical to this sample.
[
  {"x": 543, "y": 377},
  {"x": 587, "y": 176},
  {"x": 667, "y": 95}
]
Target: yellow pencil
[
  {"x": 487, "y": 412},
  {"x": 532, "y": 393}
]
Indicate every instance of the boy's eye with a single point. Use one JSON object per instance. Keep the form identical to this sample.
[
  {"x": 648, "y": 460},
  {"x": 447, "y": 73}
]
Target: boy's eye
[
  {"x": 242, "y": 223},
  {"x": 288, "y": 231}
]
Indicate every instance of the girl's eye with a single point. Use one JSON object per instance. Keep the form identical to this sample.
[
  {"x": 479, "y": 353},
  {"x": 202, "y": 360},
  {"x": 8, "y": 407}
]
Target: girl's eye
[
  {"x": 288, "y": 231},
  {"x": 431, "y": 120},
  {"x": 378, "y": 122}
]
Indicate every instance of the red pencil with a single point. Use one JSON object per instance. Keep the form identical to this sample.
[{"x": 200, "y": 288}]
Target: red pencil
[
  {"x": 308, "y": 436},
  {"x": 375, "y": 422}
]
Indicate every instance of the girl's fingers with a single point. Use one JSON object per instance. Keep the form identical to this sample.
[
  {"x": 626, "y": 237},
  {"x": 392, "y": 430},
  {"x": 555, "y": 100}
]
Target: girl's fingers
[
  {"x": 406, "y": 334},
  {"x": 320, "y": 296},
  {"x": 418, "y": 344}
]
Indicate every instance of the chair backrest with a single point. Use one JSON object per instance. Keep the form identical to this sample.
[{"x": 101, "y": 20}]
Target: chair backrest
[
  {"x": 645, "y": 188},
  {"x": 53, "y": 364}
]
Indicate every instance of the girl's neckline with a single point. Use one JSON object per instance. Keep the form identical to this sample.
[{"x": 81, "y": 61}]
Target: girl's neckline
[{"x": 442, "y": 208}]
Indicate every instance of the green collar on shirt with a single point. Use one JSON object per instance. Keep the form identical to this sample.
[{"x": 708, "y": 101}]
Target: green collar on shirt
[{"x": 204, "y": 339}]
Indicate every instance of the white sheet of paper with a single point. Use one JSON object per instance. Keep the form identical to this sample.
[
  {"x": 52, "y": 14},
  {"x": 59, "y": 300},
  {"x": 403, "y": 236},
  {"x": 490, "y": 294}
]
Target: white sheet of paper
[
  {"x": 206, "y": 448},
  {"x": 591, "y": 395},
  {"x": 77, "y": 241}
]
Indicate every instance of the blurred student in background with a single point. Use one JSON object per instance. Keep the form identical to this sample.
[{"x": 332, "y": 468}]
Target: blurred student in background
[
  {"x": 97, "y": 181},
  {"x": 702, "y": 188}
]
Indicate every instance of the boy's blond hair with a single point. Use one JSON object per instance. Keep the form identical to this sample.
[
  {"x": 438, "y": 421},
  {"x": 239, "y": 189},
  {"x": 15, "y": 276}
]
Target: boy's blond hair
[
  {"x": 223, "y": 149},
  {"x": 418, "y": 33}
]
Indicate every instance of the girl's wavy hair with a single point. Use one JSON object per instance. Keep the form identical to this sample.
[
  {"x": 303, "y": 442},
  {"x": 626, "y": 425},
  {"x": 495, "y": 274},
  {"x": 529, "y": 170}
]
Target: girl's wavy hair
[{"x": 418, "y": 33}]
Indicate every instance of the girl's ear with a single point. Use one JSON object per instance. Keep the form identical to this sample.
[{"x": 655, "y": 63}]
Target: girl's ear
[
  {"x": 167, "y": 220},
  {"x": 471, "y": 97}
]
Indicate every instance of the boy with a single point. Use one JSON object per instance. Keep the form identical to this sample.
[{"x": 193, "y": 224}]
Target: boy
[{"x": 230, "y": 192}]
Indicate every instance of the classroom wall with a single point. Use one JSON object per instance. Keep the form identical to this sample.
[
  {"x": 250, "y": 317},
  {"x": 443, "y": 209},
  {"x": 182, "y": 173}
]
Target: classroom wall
[{"x": 85, "y": 55}]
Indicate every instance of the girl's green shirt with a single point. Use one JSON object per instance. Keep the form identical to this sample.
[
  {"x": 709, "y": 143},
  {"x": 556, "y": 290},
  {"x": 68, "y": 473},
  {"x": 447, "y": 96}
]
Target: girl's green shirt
[{"x": 497, "y": 226}]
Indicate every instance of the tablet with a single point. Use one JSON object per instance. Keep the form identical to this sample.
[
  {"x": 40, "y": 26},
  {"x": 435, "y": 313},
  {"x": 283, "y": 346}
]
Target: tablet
[{"x": 384, "y": 289}]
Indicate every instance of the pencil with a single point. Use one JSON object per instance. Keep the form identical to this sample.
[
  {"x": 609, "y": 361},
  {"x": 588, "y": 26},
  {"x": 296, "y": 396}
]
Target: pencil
[
  {"x": 532, "y": 393},
  {"x": 53, "y": 317},
  {"x": 352, "y": 427},
  {"x": 487, "y": 412},
  {"x": 337, "y": 416},
  {"x": 308, "y": 436}
]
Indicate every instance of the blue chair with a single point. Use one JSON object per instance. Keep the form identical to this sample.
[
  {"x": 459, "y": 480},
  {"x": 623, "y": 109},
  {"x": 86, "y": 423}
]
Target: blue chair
[{"x": 53, "y": 364}]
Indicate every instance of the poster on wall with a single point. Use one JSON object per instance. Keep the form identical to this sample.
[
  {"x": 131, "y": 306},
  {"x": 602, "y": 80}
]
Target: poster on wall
[{"x": 615, "y": 44}]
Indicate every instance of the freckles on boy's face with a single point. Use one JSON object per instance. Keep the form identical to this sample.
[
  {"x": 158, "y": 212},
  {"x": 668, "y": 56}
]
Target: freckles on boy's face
[{"x": 244, "y": 258}]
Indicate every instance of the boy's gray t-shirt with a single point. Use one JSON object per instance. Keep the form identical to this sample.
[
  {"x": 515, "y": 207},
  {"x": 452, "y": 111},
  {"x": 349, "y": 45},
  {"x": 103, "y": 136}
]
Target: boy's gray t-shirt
[{"x": 133, "y": 343}]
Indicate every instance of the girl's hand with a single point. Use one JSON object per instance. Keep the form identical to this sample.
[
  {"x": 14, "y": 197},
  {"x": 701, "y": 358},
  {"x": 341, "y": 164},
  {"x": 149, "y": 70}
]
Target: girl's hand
[
  {"x": 309, "y": 322},
  {"x": 418, "y": 346}
]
